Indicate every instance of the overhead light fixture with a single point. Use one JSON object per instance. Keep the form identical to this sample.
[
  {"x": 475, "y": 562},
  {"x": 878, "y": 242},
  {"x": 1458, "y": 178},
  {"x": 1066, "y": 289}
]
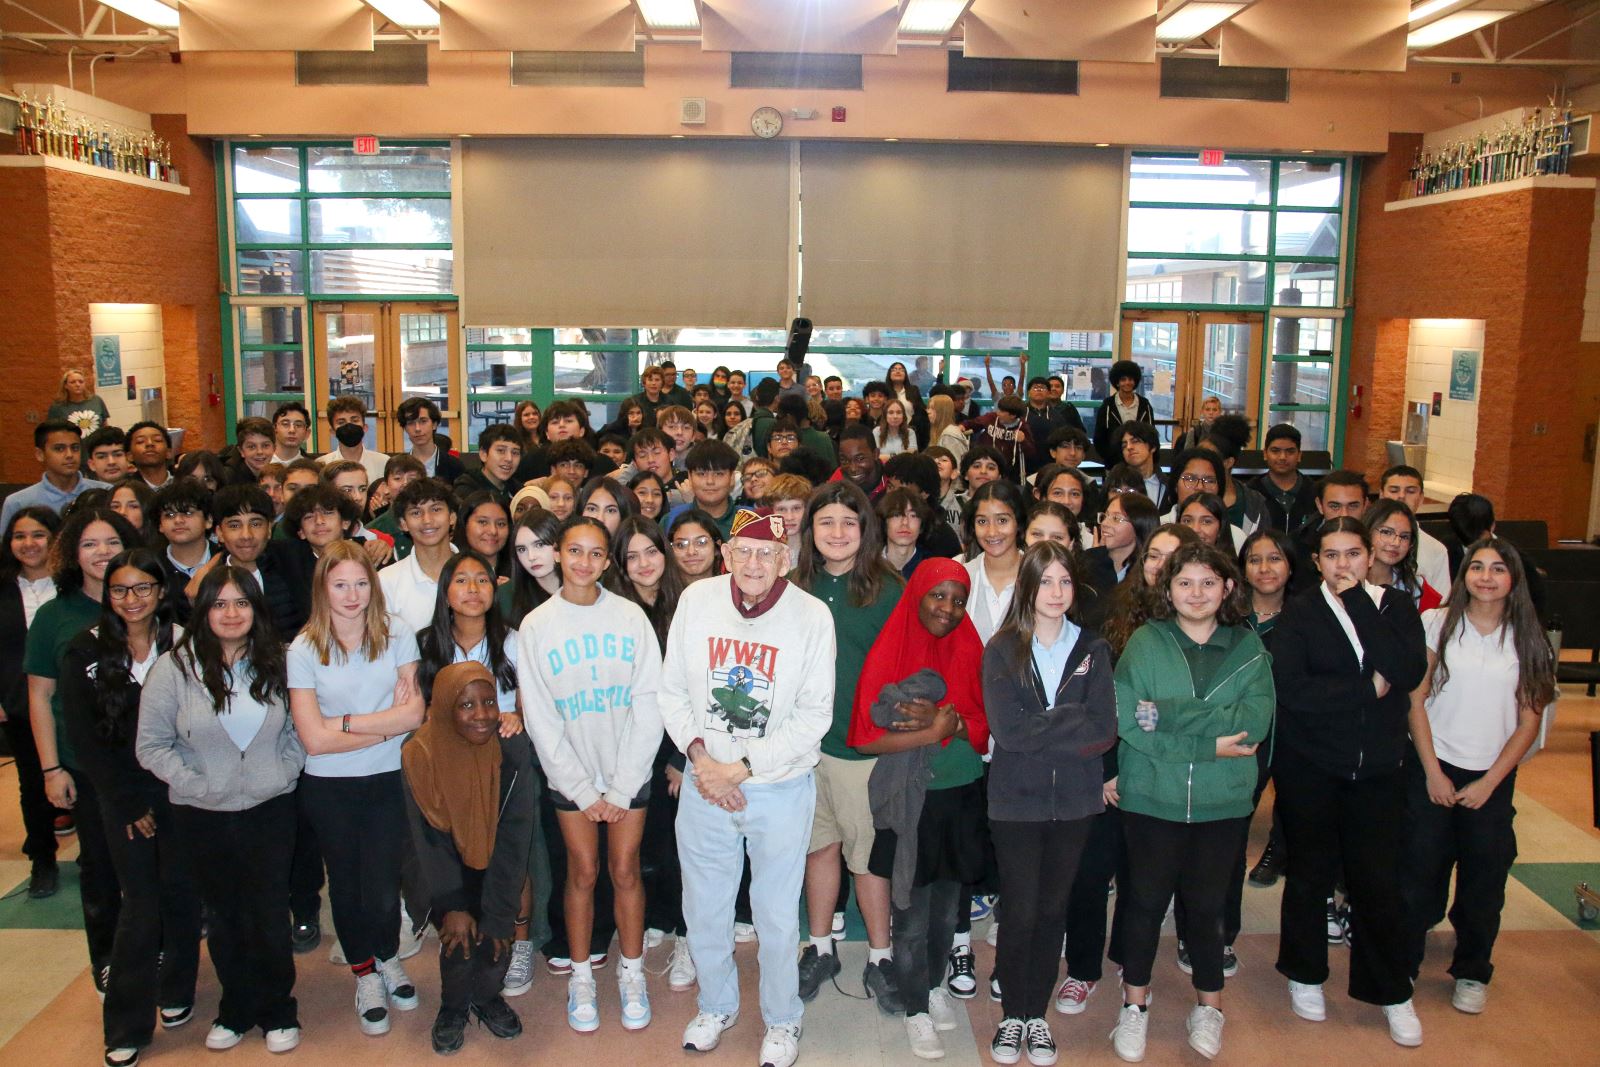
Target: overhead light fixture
[
  {"x": 932, "y": 18},
  {"x": 1102, "y": 144},
  {"x": 891, "y": 140},
  {"x": 676, "y": 136},
  {"x": 1450, "y": 27},
  {"x": 1193, "y": 20},
  {"x": 412, "y": 14},
  {"x": 150, "y": 12},
  {"x": 669, "y": 14},
  {"x": 1426, "y": 9}
]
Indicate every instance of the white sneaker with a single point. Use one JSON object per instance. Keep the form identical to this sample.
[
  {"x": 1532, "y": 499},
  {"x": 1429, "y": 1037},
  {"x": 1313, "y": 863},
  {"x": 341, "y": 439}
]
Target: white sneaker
[
  {"x": 286, "y": 1039},
  {"x": 781, "y": 1046},
  {"x": 372, "y": 1004},
  {"x": 635, "y": 998},
  {"x": 705, "y": 1030},
  {"x": 993, "y": 934},
  {"x": 654, "y": 937},
  {"x": 1128, "y": 1039},
  {"x": 519, "y": 974},
  {"x": 1307, "y": 1001},
  {"x": 1404, "y": 1026},
  {"x": 1470, "y": 996},
  {"x": 220, "y": 1037},
  {"x": 398, "y": 985},
  {"x": 681, "y": 974},
  {"x": 942, "y": 1009},
  {"x": 1205, "y": 1030},
  {"x": 837, "y": 929},
  {"x": 410, "y": 940},
  {"x": 924, "y": 1038},
  {"x": 743, "y": 933},
  {"x": 583, "y": 1010}
]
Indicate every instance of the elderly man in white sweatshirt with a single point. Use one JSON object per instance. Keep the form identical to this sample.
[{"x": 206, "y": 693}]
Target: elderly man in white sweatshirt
[{"x": 747, "y": 693}]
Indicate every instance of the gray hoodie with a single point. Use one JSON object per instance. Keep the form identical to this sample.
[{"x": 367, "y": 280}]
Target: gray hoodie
[{"x": 181, "y": 742}]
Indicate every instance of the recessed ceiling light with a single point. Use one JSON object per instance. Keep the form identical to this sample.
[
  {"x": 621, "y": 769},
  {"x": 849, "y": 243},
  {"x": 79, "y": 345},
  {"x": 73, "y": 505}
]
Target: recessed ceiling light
[
  {"x": 1452, "y": 26},
  {"x": 677, "y": 136},
  {"x": 1102, "y": 144},
  {"x": 669, "y": 14},
  {"x": 891, "y": 140},
  {"x": 1194, "y": 19},
  {"x": 412, "y": 14},
  {"x": 1308, "y": 151}
]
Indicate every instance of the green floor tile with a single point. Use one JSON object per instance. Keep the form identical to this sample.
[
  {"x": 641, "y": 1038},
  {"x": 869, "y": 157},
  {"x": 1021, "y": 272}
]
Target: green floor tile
[
  {"x": 1553, "y": 883},
  {"x": 60, "y": 912}
]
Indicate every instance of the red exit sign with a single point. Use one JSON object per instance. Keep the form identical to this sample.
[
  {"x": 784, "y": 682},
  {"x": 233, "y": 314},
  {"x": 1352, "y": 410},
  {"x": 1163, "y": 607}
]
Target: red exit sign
[
  {"x": 1209, "y": 157},
  {"x": 368, "y": 146}
]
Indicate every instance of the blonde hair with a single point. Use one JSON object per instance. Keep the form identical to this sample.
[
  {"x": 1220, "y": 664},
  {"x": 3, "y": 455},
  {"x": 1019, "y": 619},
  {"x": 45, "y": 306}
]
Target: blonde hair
[
  {"x": 318, "y": 629},
  {"x": 88, "y": 384},
  {"x": 941, "y": 416},
  {"x": 787, "y": 487}
]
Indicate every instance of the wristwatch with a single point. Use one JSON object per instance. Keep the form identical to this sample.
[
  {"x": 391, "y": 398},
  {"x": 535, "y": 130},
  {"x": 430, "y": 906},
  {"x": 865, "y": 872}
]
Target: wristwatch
[{"x": 751, "y": 771}]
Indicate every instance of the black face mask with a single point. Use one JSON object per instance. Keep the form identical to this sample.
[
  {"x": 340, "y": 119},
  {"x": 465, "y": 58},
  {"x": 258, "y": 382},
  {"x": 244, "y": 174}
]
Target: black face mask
[{"x": 350, "y": 434}]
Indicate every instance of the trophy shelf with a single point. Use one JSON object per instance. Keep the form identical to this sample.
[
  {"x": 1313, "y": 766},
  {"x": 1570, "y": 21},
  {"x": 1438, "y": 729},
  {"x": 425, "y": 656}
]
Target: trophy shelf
[
  {"x": 60, "y": 163},
  {"x": 1534, "y": 181}
]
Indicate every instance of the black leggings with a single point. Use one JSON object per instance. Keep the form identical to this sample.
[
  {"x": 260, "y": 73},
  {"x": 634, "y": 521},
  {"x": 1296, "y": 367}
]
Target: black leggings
[
  {"x": 38, "y": 814},
  {"x": 360, "y": 824},
  {"x": 1038, "y": 864},
  {"x": 1103, "y": 858},
  {"x": 1193, "y": 860},
  {"x": 922, "y": 936}
]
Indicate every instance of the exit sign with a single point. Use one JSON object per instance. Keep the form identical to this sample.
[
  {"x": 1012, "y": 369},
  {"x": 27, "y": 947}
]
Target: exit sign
[
  {"x": 1209, "y": 157},
  {"x": 368, "y": 146}
]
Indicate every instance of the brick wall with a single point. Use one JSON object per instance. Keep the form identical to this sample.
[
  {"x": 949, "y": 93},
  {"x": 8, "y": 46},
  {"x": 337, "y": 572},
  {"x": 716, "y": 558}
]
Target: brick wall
[
  {"x": 1518, "y": 261},
  {"x": 71, "y": 240}
]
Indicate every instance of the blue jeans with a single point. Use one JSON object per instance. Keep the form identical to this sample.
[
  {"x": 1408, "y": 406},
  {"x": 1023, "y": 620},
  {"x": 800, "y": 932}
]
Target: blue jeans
[{"x": 774, "y": 827}]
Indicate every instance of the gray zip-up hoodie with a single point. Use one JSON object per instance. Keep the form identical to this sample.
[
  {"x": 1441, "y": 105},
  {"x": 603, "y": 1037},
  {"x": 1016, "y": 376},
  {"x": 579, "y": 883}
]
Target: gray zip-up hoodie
[{"x": 181, "y": 742}]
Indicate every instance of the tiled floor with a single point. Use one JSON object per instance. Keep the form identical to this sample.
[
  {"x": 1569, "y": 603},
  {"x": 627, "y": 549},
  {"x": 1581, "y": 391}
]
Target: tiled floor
[{"x": 1541, "y": 1011}]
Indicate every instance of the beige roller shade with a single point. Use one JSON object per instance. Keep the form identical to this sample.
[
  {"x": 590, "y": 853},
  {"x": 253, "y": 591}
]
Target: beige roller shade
[
  {"x": 625, "y": 233},
  {"x": 281, "y": 26},
  {"x": 961, "y": 236}
]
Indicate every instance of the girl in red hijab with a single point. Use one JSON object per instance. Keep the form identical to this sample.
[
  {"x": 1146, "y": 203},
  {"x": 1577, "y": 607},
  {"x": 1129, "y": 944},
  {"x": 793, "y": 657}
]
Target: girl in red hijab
[{"x": 919, "y": 707}]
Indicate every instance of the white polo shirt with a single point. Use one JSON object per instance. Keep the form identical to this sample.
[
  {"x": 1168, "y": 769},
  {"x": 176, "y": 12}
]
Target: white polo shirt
[
  {"x": 373, "y": 461},
  {"x": 1474, "y": 713},
  {"x": 408, "y": 591}
]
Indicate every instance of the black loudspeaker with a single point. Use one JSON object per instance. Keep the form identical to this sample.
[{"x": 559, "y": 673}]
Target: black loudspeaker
[
  {"x": 497, "y": 375},
  {"x": 799, "y": 342}
]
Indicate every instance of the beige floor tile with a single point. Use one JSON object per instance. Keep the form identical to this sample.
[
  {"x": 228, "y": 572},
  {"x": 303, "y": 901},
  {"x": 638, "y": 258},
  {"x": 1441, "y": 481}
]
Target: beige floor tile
[{"x": 39, "y": 964}]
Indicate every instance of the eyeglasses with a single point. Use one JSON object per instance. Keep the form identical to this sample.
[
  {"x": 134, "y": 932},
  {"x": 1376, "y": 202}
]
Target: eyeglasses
[
  {"x": 784, "y": 439},
  {"x": 1389, "y": 532},
  {"x": 763, "y": 554},
  {"x": 293, "y": 424},
  {"x": 1114, "y": 518},
  {"x": 140, "y": 590},
  {"x": 1197, "y": 479},
  {"x": 682, "y": 544}
]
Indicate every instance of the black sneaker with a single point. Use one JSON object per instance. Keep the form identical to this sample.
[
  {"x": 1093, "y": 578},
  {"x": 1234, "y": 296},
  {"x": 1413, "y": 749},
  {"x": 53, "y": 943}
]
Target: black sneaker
[
  {"x": 1230, "y": 962},
  {"x": 1184, "y": 963},
  {"x": 879, "y": 980},
  {"x": 498, "y": 1018},
  {"x": 816, "y": 968},
  {"x": 994, "y": 988},
  {"x": 44, "y": 881},
  {"x": 305, "y": 936},
  {"x": 1041, "y": 1043},
  {"x": 102, "y": 979},
  {"x": 1268, "y": 869},
  {"x": 1336, "y": 924},
  {"x": 963, "y": 980},
  {"x": 1007, "y": 1044},
  {"x": 449, "y": 1031}
]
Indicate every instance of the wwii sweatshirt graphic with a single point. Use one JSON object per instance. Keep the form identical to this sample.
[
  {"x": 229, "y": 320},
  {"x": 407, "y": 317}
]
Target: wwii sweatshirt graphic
[{"x": 741, "y": 677}]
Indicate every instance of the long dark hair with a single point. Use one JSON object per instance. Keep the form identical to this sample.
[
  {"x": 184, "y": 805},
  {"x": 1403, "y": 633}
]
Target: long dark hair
[
  {"x": 626, "y": 502},
  {"x": 1235, "y": 606},
  {"x": 1536, "y": 667},
  {"x": 1004, "y": 492},
  {"x": 501, "y": 563},
  {"x": 1204, "y": 455},
  {"x": 200, "y": 651},
  {"x": 526, "y": 592},
  {"x": 10, "y": 566},
  {"x": 1133, "y": 602},
  {"x": 871, "y": 570},
  {"x": 1405, "y": 571},
  {"x": 436, "y": 644},
  {"x": 1280, "y": 541},
  {"x": 1020, "y": 615},
  {"x": 1219, "y": 511},
  {"x": 147, "y": 504},
  {"x": 64, "y": 551},
  {"x": 116, "y": 713},
  {"x": 671, "y": 588},
  {"x": 640, "y": 477},
  {"x": 697, "y": 517}
]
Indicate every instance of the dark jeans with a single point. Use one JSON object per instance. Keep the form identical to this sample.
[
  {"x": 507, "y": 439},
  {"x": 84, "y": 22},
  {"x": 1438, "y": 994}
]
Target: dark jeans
[
  {"x": 922, "y": 936},
  {"x": 1232, "y": 911},
  {"x": 1481, "y": 846},
  {"x": 156, "y": 954},
  {"x": 305, "y": 871},
  {"x": 1038, "y": 864},
  {"x": 241, "y": 866},
  {"x": 97, "y": 873},
  {"x": 1329, "y": 822},
  {"x": 38, "y": 814},
  {"x": 360, "y": 824},
  {"x": 465, "y": 980},
  {"x": 658, "y": 859},
  {"x": 1103, "y": 858},
  {"x": 1194, "y": 861}
]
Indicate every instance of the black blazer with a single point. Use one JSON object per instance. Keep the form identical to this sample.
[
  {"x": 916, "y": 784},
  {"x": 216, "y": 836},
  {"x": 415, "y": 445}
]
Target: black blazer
[
  {"x": 13, "y": 641},
  {"x": 1328, "y": 711},
  {"x": 1108, "y": 419}
]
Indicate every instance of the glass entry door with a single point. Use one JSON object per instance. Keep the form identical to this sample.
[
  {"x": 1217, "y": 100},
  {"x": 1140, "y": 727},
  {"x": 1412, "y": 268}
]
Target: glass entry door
[
  {"x": 1188, "y": 356},
  {"x": 385, "y": 353}
]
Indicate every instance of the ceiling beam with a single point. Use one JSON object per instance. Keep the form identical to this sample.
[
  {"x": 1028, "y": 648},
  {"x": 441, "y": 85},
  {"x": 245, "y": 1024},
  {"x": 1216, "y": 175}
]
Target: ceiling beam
[
  {"x": 1173, "y": 7},
  {"x": 950, "y": 31},
  {"x": 1577, "y": 21}
]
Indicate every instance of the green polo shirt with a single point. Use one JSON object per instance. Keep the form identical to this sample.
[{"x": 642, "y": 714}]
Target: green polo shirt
[
  {"x": 954, "y": 764},
  {"x": 389, "y": 523},
  {"x": 1204, "y": 659},
  {"x": 54, "y": 627},
  {"x": 854, "y": 631}
]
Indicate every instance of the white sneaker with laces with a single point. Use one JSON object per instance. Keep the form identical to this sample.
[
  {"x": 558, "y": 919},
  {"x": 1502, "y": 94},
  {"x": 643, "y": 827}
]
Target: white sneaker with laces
[
  {"x": 1073, "y": 996},
  {"x": 654, "y": 937},
  {"x": 519, "y": 974},
  {"x": 781, "y": 1045},
  {"x": 1404, "y": 1026},
  {"x": 681, "y": 974},
  {"x": 583, "y": 1010},
  {"x": 372, "y": 1004},
  {"x": 1128, "y": 1039},
  {"x": 837, "y": 929},
  {"x": 410, "y": 940},
  {"x": 705, "y": 1030},
  {"x": 942, "y": 1009},
  {"x": 398, "y": 985},
  {"x": 285, "y": 1039},
  {"x": 220, "y": 1037},
  {"x": 924, "y": 1037},
  {"x": 1307, "y": 1001},
  {"x": 635, "y": 999},
  {"x": 1470, "y": 997},
  {"x": 1205, "y": 1030},
  {"x": 743, "y": 933}
]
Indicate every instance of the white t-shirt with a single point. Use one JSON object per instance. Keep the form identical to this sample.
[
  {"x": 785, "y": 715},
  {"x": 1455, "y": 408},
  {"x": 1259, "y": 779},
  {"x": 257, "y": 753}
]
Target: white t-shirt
[
  {"x": 986, "y": 606},
  {"x": 1474, "y": 713},
  {"x": 1345, "y": 622},
  {"x": 352, "y": 686},
  {"x": 408, "y": 591},
  {"x": 373, "y": 461}
]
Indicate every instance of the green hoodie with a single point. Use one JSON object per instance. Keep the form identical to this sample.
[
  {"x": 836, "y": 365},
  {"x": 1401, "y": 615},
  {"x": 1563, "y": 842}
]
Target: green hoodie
[{"x": 1173, "y": 772}]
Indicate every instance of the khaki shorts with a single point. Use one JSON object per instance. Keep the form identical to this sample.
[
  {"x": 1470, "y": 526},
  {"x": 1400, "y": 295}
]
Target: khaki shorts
[{"x": 844, "y": 812}]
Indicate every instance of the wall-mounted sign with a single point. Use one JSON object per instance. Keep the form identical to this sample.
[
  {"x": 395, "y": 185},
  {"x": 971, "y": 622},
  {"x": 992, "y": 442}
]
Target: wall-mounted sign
[
  {"x": 1464, "y": 373},
  {"x": 1211, "y": 157},
  {"x": 107, "y": 360},
  {"x": 365, "y": 146}
]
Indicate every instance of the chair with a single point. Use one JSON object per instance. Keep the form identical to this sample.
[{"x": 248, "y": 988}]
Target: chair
[
  {"x": 1524, "y": 533},
  {"x": 1574, "y": 609}
]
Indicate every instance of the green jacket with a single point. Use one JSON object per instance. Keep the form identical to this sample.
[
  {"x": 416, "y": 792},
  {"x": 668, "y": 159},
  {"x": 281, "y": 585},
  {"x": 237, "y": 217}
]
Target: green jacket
[{"x": 1173, "y": 772}]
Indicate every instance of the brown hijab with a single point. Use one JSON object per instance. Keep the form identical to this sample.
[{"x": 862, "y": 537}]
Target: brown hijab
[{"x": 455, "y": 783}]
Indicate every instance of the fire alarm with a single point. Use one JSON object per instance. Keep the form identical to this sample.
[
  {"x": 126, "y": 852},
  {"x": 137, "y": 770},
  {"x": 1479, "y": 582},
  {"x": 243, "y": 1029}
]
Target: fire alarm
[{"x": 838, "y": 114}]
